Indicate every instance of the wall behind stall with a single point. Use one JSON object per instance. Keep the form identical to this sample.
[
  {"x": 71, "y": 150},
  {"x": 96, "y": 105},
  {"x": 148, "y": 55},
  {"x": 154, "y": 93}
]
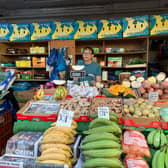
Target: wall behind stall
[{"x": 22, "y": 11}]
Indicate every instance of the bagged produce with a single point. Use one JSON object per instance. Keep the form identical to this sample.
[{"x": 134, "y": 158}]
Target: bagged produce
[
  {"x": 132, "y": 162},
  {"x": 134, "y": 143},
  {"x": 164, "y": 113}
]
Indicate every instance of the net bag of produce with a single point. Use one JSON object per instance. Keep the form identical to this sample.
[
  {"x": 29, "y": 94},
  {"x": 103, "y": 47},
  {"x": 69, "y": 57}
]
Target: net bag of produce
[
  {"x": 135, "y": 144},
  {"x": 132, "y": 162}
]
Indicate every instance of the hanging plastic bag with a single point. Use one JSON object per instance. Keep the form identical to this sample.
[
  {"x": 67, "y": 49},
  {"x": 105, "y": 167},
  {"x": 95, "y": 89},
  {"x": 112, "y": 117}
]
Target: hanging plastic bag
[
  {"x": 132, "y": 162},
  {"x": 135, "y": 144}
]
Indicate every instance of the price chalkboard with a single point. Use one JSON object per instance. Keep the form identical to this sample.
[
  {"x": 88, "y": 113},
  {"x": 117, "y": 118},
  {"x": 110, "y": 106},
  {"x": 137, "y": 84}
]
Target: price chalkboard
[
  {"x": 65, "y": 118},
  {"x": 153, "y": 96},
  {"x": 103, "y": 112}
]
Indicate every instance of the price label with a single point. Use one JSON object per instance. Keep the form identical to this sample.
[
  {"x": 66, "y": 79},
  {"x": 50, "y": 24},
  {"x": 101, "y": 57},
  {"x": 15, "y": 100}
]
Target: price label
[
  {"x": 103, "y": 112},
  {"x": 153, "y": 96},
  {"x": 77, "y": 74},
  {"x": 65, "y": 118}
]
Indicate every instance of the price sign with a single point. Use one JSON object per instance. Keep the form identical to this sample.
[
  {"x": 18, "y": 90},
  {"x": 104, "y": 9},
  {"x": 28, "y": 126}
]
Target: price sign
[
  {"x": 153, "y": 96},
  {"x": 77, "y": 74},
  {"x": 103, "y": 112},
  {"x": 65, "y": 118}
]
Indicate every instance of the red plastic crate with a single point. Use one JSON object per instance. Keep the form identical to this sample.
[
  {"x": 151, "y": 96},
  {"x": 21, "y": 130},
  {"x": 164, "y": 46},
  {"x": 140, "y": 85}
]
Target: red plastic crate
[
  {"x": 141, "y": 122},
  {"x": 35, "y": 117},
  {"x": 164, "y": 125}
]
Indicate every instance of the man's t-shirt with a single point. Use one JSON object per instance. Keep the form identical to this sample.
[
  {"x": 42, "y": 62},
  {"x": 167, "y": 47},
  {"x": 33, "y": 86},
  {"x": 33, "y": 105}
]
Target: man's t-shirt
[{"x": 92, "y": 70}]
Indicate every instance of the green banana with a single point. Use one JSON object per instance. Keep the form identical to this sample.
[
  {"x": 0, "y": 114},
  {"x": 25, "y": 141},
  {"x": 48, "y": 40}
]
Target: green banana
[
  {"x": 155, "y": 159},
  {"x": 156, "y": 140},
  {"x": 100, "y": 136},
  {"x": 103, "y": 153},
  {"x": 99, "y": 122},
  {"x": 166, "y": 158},
  {"x": 113, "y": 129},
  {"x": 150, "y": 137},
  {"x": 114, "y": 119},
  {"x": 163, "y": 138},
  {"x": 161, "y": 158}
]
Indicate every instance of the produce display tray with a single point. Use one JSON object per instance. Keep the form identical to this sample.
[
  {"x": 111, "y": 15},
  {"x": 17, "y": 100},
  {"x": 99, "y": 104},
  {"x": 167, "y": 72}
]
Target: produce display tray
[
  {"x": 39, "y": 110},
  {"x": 141, "y": 122},
  {"x": 99, "y": 100},
  {"x": 135, "y": 65}
]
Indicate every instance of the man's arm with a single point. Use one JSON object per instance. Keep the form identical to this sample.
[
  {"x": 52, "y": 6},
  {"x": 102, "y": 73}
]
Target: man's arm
[{"x": 98, "y": 78}]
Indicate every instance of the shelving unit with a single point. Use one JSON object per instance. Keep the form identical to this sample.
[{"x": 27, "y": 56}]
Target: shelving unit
[
  {"x": 11, "y": 58},
  {"x": 135, "y": 47}
]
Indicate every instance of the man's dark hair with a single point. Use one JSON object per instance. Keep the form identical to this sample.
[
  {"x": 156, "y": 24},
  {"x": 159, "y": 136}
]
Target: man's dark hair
[{"x": 88, "y": 48}]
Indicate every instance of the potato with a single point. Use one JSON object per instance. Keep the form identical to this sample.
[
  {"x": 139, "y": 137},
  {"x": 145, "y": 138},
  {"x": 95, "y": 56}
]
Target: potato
[
  {"x": 140, "y": 101},
  {"x": 131, "y": 109},
  {"x": 126, "y": 110},
  {"x": 146, "y": 112}
]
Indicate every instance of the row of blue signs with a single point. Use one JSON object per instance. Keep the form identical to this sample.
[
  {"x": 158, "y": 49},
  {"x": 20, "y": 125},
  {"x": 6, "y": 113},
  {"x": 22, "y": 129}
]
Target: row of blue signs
[{"x": 87, "y": 29}]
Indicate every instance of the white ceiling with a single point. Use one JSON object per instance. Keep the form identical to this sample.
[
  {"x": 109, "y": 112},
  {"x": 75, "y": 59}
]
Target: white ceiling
[{"x": 49, "y": 10}]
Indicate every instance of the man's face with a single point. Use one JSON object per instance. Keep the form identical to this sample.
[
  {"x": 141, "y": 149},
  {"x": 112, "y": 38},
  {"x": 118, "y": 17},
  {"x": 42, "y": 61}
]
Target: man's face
[{"x": 87, "y": 55}]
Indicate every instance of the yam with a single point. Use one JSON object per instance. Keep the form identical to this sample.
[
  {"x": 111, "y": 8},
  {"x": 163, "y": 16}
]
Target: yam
[
  {"x": 164, "y": 85},
  {"x": 155, "y": 85},
  {"x": 159, "y": 91},
  {"x": 150, "y": 90},
  {"x": 146, "y": 84},
  {"x": 164, "y": 96},
  {"x": 166, "y": 91},
  {"x": 141, "y": 90}
]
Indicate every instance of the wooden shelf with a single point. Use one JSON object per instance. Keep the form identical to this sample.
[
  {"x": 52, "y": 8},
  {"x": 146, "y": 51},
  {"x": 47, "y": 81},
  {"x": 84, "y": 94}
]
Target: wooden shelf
[
  {"x": 25, "y": 55},
  {"x": 23, "y": 67},
  {"x": 121, "y": 53},
  {"x": 136, "y": 67},
  {"x": 31, "y": 80}
]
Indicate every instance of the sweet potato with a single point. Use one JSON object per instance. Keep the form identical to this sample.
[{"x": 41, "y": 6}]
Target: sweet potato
[
  {"x": 141, "y": 90},
  {"x": 146, "y": 84},
  {"x": 166, "y": 91},
  {"x": 145, "y": 96},
  {"x": 164, "y": 96},
  {"x": 151, "y": 90},
  {"x": 155, "y": 86},
  {"x": 160, "y": 91},
  {"x": 164, "y": 85}
]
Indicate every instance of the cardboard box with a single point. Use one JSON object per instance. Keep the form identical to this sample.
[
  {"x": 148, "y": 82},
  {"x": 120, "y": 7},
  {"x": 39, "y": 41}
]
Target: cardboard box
[
  {"x": 39, "y": 61},
  {"x": 86, "y": 29},
  {"x": 41, "y": 31},
  {"x": 24, "y": 144},
  {"x": 63, "y": 30},
  {"x": 110, "y": 28},
  {"x": 142, "y": 122},
  {"x": 135, "y": 26},
  {"x": 114, "y": 61},
  {"x": 20, "y": 32},
  {"x": 39, "y": 110},
  {"x": 5, "y": 31},
  {"x": 105, "y": 102},
  {"x": 159, "y": 24}
]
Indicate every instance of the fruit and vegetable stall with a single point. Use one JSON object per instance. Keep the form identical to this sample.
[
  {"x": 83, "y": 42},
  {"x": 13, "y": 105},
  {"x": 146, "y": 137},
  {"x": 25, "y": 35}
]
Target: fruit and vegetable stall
[{"x": 86, "y": 127}]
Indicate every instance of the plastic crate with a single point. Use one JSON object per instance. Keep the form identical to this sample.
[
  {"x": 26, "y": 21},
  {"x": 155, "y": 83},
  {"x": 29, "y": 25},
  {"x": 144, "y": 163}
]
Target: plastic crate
[
  {"x": 39, "y": 62},
  {"x": 26, "y": 76},
  {"x": 23, "y": 63}
]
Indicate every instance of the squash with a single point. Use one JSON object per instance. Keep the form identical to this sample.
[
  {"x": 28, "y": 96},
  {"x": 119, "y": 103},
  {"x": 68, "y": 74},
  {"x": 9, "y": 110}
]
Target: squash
[{"x": 108, "y": 93}]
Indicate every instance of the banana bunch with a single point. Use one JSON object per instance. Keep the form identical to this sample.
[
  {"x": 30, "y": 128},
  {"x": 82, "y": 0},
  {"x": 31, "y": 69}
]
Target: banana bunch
[
  {"x": 40, "y": 94},
  {"x": 157, "y": 138},
  {"x": 55, "y": 145},
  {"x": 160, "y": 158},
  {"x": 102, "y": 145}
]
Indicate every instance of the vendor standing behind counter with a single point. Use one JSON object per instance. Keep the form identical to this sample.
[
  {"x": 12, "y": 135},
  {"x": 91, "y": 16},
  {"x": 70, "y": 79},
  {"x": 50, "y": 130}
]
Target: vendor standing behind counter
[{"x": 91, "y": 68}]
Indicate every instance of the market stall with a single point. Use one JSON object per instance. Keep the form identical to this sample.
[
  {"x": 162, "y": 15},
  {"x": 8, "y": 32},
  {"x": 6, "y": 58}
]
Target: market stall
[{"x": 120, "y": 121}]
